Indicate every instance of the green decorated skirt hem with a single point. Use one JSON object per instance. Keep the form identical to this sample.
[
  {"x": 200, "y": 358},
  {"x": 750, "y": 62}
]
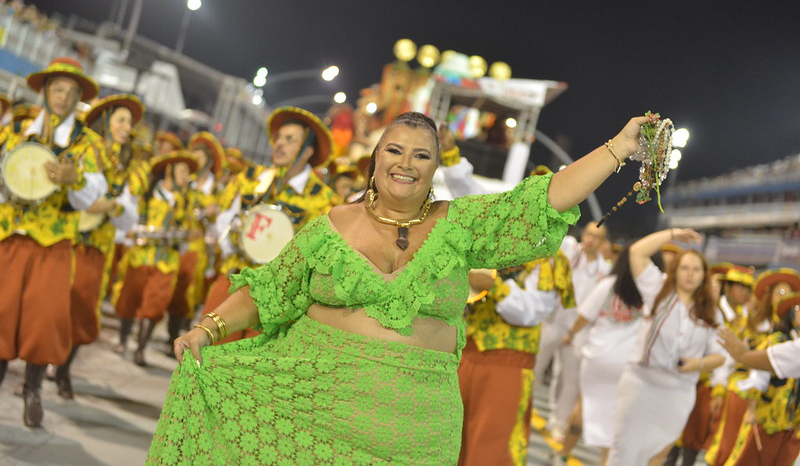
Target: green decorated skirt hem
[{"x": 314, "y": 395}]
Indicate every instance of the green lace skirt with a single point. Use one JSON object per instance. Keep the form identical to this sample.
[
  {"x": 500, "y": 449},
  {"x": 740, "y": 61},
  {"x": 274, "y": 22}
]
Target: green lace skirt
[{"x": 316, "y": 395}]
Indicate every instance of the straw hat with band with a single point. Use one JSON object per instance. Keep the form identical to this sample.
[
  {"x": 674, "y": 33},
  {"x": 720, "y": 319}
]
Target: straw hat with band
[
  {"x": 70, "y": 68},
  {"x": 171, "y": 138},
  {"x": 129, "y": 101},
  {"x": 319, "y": 135},
  {"x": 235, "y": 160},
  {"x": 363, "y": 165},
  {"x": 206, "y": 140},
  {"x": 790, "y": 302},
  {"x": 349, "y": 171},
  {"x": 741, "y": 275},
  {"x": 771, "y": 277},
  {"x": 672, "y": 247},
  {"x": 158, "y": 165}
]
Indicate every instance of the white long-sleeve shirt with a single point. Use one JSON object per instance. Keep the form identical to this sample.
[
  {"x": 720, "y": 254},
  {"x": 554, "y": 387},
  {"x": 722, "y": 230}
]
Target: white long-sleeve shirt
[
  {"x": 785, "y": 359},
  {"x": 527, "y": 307},
  {"x": 671, "y": 334}
]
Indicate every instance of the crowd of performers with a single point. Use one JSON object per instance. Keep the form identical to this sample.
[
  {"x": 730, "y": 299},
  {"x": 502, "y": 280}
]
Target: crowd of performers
[
  {"x": 151, "y": 226},
  {"x": 157, "y": 227}
]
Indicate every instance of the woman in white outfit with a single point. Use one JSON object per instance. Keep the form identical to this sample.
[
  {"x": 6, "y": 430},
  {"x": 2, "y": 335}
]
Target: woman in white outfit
[
  {"x": 675, "y": 342},
  {"x": 610, "y": 315}
]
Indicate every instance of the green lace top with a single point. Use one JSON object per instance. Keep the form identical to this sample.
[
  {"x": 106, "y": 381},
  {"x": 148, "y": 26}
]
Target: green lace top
[{"x": 486, "y": 231}]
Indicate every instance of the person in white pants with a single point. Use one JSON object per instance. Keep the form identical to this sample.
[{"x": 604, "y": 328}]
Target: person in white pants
[{"x": 588, "y": 267}]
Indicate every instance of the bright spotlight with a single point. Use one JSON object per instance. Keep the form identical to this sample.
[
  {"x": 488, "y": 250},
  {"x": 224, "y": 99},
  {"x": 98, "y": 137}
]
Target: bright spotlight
[
  {"x": 371, "y": 107},
  {"x": 260, "y": 80},
  {"x": 257, "y": 100},
  {"x": 680, "y": 137},
  {"x": 263, "y": 71},
  {"x": 330, "y": 73},
  {"x": 674, "y": 159},
  {"x": 340, "y": 97},
  {"x": 511, "y": 123},
  {"x": 194, "y": 5}
]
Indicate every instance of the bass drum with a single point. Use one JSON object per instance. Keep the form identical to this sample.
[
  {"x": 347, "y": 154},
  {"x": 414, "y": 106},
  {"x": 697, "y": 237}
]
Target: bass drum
[
  {"x": 265, "y": 231},
  {"x": 24, "y": 178}
]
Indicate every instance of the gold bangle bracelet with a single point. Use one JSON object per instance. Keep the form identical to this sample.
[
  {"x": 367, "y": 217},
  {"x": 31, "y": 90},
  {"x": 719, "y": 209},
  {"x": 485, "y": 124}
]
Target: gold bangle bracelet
[
  {"x": 208, "y": 331},
  {"x": 223, "y": 329},
  {"x": 620, "y": 162}
]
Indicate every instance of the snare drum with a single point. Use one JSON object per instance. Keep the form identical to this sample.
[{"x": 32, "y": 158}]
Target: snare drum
[
  {"x": 148, "y": 234},
  {"x": 265, "y": 231},
  {"x": 24, "y": 178}
]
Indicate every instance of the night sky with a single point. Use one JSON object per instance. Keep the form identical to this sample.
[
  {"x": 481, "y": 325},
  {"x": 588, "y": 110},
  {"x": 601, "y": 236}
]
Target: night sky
[{"x": 727, "y": 71}]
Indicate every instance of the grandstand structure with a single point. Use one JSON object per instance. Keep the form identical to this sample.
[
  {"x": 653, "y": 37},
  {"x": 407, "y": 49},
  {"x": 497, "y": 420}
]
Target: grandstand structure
[
  {"x": 181, "y": 94},
  {"x": 752, "y": 214}
]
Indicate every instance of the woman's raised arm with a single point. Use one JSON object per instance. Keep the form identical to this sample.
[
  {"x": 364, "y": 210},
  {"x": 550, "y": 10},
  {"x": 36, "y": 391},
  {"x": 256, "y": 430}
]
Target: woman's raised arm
[
  {"x": 642, "y": 250},
  {"x": 573, "y": 184}
]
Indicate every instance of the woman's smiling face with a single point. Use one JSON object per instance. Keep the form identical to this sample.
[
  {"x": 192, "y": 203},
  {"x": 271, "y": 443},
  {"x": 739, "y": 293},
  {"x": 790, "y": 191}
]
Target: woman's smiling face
[{"x": 405, "y": 162}]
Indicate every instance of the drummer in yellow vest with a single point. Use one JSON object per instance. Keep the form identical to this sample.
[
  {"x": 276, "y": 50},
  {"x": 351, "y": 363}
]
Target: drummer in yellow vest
[
  {"x": 36, "y": 237},
  {"x": 112, "y": 118},
  {"x": 300, "y": 141},
  {"x": 235, "y": 163},
  {"x": 190, "y": 287},
  {"x": 149, "y": 270}
]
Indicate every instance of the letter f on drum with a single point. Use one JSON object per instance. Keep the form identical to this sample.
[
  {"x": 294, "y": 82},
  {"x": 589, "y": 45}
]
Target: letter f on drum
[{"x": 262, "y": 222}]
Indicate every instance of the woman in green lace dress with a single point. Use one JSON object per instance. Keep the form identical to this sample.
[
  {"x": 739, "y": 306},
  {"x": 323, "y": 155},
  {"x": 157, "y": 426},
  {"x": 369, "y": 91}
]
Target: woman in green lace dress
[{"x": 361, "y": 318}]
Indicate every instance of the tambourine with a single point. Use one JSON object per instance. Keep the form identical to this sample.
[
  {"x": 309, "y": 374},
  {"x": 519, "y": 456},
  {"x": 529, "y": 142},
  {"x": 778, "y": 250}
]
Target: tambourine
[
  {"x": 266, "y": 229},
  {"x": 24, "y": 178}
]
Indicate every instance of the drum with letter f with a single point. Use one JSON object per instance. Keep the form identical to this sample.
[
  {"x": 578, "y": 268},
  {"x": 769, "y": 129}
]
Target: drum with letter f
[
  {"x": 24, "y": 178},
  {"x": 265, "y": 231}
]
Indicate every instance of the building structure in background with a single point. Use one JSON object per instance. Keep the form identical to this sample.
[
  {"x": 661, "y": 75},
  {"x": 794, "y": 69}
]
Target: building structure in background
[{"x": 752, "y": 214}]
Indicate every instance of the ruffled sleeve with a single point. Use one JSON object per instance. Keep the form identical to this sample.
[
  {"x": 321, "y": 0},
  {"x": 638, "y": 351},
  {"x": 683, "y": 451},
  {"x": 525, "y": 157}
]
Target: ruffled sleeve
[
  {"x": 513, "y": 227},
  {"x": 280, "y": 289}
]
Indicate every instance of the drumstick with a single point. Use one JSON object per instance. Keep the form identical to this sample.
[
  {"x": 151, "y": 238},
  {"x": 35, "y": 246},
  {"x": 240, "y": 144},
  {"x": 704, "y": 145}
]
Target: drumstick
[{"x": 759, "y": 447}]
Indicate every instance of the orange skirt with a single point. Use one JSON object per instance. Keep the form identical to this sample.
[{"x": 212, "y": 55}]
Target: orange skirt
[
  {"x": 698, "y": 426},
  {"x": 735, "y": 408},
  {"x": 85, "y": 294},
  {"x": 180, "y": 304},
  {"x": 35, "y": 320},
  {"x": 146, "y": 293},
  {"x": 778, "y": 449},
  {"x": 496, "y": 391}
]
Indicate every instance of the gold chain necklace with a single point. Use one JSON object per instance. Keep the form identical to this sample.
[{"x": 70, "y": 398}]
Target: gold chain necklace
[{"x": 402, "y": 227}]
